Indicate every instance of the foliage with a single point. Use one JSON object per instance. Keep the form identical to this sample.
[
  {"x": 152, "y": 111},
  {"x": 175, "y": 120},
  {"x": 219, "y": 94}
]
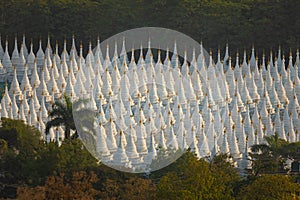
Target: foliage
[
  {"x": 20, "y": 147},
  {"x": 226, "y": 175},
  {"x": 26, "y": 159},
  {"x": 194, "y": 179},
  {"x": 32, "y": 169},
  {"x": 35, "y": 193},
  {"x": 164, "y": 161},
  {"x": 70, "y": 156},
  {"x": 77, "y": 186},
  {"x": 242, "y": 23},
  {"x": 271, "y": 156},
  {"x": 133, "y": 188},
  {"x": 72, "y": 116},
  {"x": 20, "y": 136},
  {"x": 271, "y": 187},
  {"x": 61, "y": 114}
]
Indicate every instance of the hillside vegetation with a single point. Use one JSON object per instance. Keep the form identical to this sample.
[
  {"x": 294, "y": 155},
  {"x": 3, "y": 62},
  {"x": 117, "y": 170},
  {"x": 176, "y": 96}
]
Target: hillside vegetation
[{"x": 264, "y": 23}]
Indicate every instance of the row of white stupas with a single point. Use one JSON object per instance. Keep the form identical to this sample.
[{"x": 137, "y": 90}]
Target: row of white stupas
[{"x": 146, "y": 105}]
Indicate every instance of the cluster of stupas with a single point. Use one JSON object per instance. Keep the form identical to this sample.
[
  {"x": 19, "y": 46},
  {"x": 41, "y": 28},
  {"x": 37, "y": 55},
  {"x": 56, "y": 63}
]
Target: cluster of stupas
[{"x": 149, "y": 104}]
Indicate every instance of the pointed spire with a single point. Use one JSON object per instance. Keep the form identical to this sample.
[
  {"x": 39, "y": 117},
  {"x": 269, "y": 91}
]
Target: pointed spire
[
  {"x": 120, "y": 158},
  {"x": 42, "y": 89},
  {"x": 131, "y": 150},
  {"x": 226, "y": 58},
  {"x": 22, "y": 113},
  {"x": 224, "y": 147},
  {"x": 162, "y": 141},
  {"x": 32, "y": 118},
  {"x": 64, "y": 55},
  {"x": 35, "y": 79},
  {"x": 40, "y": 56},
  {"x": 7, "y": 64},
  {"x": 15, "y": 58},
  {"x": 61, "y": 82},
  {"x": 152, "y": 153},
  {"x": 73, "y": 52},
  {"x": 111, "y": 131},
  {"x": 101, "y": 144},
  {"x": 15, "y": 87},
  {"x": 203, "y": 145},
  {"x": 172, "y": 140},
  {"x": 252, "y": 59},
  {"x": 14, "y": 108},
  {"x": 141, "y": 139},
  {"x": 52, "y": 85}
]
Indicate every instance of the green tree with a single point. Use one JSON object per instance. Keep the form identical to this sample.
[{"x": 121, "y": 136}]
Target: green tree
[
  {"x": 271, "y": 187},
  {"x": 26, "y": 160},
  {"x": 226, "y": 175},
  {"x": 271, "y": 156},
  {"x": 74, "y": 156},
  {"x": 70, "y": 156},
  {"x": 20, "y": 146},
  {"x": 242, "y": 23},
  {"x": 64, "y": 113},
  {"x": 190, "y": 178},
  {"x": 61, "y": 114},
  {"x": 131, "y": 188},
  {"x": 77, "y": 185}
]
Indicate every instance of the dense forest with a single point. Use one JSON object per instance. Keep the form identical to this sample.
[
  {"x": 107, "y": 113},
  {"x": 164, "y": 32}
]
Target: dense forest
[
  {"x": 264, "y": 23},
  {"x": 33, "y": 169}
]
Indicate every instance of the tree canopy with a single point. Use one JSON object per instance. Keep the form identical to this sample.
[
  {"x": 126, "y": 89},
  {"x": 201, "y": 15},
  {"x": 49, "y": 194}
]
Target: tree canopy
[
  {"x": 270, "y": 187},
  {"x": 33, "y": 169},
  {"x": 271, "y": 157},
  {"x": 264, "y": 23}
]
